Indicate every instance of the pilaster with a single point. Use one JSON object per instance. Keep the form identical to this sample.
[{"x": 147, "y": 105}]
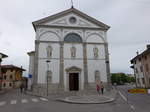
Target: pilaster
[
  {"x": 107, "y": 63},
  {"x": 35, "y": 76},
  {"x": 85, "y": 66},
  {"x": 61, "y": 67}
]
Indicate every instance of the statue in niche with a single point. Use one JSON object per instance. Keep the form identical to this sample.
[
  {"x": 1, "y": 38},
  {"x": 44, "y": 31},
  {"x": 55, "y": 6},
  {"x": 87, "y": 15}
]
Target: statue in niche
[
  {"x": 97, "y": 77},
  {"x": 73, "y": 51},
  {"x": 95, "y": 51},
  {"x": 49, "y": 50},
  {"x": 49, "y": 76}
]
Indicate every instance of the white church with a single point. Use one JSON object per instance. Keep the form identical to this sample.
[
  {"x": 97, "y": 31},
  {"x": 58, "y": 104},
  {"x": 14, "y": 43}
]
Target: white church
[{"x": 71, "y": 52}]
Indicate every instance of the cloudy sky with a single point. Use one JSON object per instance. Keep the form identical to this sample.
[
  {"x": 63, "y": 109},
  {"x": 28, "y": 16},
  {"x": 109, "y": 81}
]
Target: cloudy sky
[{"x": 129, "y": 21}]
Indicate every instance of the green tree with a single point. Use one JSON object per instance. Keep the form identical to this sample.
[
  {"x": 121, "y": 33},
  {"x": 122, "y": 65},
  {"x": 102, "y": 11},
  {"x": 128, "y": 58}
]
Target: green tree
[{"x": 121, "y": 78}]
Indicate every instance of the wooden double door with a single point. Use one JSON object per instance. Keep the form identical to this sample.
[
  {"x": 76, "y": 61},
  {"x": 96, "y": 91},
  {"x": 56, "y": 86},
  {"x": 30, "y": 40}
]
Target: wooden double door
[{"x": 73, "y": 81}]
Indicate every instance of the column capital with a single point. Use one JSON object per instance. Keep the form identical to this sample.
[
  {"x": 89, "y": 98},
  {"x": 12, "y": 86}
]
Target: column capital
[
  {"x": 61, "y": 43},
  {"x": 37, "y": 42}
]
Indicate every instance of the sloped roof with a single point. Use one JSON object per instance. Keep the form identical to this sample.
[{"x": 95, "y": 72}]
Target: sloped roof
[
  {"x": 31, "y": 53},
  {"x": 106, "y": 27},
  {"x": 12, "y": 67},
  {"x": 147, "y": 51},
  {"x": 3, "y": 55}
]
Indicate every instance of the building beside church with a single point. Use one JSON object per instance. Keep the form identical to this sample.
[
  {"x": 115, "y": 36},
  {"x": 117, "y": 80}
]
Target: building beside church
[
  {"x": 11, "y": 76},
  {"x": 71, "y": 52},
  {"x": 141, "y": 67}
]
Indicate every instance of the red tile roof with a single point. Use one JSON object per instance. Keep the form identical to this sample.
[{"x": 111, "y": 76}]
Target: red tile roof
[{"x": 12, "y": 67}]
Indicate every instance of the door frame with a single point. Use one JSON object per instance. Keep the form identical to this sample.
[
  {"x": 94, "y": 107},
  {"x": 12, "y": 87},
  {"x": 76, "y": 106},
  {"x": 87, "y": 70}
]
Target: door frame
[{"x": 73, "y": 70}]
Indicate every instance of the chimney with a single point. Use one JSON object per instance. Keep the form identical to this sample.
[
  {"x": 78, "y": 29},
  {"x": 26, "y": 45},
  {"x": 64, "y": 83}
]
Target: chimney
[
  {"x": 148, "y": 46},
  {"x": 137, "y": 53}
]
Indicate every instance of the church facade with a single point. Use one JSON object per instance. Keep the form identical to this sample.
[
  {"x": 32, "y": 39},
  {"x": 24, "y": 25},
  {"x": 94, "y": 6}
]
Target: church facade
[{"x": 71, "y": 52}]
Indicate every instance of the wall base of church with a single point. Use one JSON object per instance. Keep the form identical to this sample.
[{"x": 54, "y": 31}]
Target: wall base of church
[
  {"x": 54, "y": 89},
  {"x": 92, "y": 86},
  {"x": 43, "y": 89}
]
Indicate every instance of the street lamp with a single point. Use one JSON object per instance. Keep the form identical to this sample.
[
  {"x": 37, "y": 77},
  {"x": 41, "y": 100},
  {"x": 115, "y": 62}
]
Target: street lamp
[
  {"x": 47, "y": 61},
  {"x": 1, "y": 56}
]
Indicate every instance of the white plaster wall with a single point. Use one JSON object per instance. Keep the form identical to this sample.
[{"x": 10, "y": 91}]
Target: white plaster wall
[
  {"x": 101, "y": 51},
  {"x": 70, "y": 63},
  {"x": 55, "y": 52},
  {"x": 42, "y": 68},
  {"x": 79, "y": 50},
  {"x": 94, "y": 65}
]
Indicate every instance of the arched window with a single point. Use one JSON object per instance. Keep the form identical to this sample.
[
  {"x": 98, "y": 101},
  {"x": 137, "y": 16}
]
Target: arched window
[{"x": 72, "y": 37}]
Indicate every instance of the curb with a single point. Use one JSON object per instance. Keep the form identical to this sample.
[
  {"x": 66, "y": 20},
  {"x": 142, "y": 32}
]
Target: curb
[
  {"x": 80, "y": 102},
  {"x": 67, "y": 100}
]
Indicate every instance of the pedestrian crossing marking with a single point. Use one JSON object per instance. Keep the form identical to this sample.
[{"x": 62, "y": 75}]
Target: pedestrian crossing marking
[
  {"x": 24, "y": 101},
  {"x": 44, "y": 99},
  {"x": 2, "y": 103},
  {"x": 34, "y": 100},
  {"x": 13, "y": 102}
]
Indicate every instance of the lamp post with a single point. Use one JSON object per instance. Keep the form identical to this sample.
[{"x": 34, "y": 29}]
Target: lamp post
[
  {"x": 47, "y": 61},
  {"x": 1, "y": 56}
]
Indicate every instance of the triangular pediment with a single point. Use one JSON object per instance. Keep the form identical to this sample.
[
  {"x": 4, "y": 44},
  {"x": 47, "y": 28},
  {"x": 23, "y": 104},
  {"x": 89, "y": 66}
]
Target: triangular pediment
[{"x": 63, "y": 19}]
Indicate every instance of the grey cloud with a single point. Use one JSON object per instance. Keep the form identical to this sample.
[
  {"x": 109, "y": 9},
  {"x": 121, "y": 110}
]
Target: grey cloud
[{"x": 129, "y": 21}]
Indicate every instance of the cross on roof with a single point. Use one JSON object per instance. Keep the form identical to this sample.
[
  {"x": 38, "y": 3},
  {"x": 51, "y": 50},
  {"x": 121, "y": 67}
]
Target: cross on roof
[{"x": 71, "y": 3}]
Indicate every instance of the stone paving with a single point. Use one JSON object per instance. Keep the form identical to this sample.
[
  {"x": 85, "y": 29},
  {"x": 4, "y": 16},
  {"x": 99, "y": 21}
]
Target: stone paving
[
  {"x": 84, "y": 97},
  {"x": 2, "y": 92}
]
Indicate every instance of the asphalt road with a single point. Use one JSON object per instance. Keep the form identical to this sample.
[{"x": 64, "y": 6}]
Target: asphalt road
[
  {"x": 14, "y": 101},
  {"x": 138, "y": 102}
]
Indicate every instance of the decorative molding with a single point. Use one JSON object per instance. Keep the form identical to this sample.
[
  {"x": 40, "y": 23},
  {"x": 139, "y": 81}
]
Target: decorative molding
[
  {"x": 52, "y": 42},
  {"x": 55, "y": 33},
  {"x": 60, "y": 22},
  {"x": 66, "y": 32},
  {"x": 95, "y": 33},
  {"x": 71, "y": 27},
  {"x": 84, "y": 23},
  {"x": 41, "y": 30},
  {"x": 73, "y": 58},
  {"x": 73, "y": 69}
]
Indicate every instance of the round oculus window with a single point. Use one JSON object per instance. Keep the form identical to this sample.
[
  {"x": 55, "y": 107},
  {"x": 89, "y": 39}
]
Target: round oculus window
[{"x": 73, "y": 20}]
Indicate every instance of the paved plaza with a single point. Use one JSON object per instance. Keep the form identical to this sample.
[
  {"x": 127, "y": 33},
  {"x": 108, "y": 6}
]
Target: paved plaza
[{"x": 14, "y": 101}]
